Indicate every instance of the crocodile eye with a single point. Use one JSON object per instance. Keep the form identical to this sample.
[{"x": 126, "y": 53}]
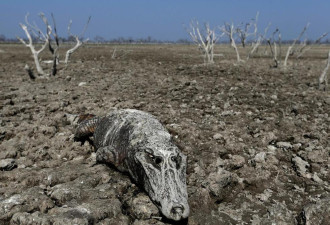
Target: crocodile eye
[
  {"x": 155, "y": 159},
  {"x": 158, "y": 160}
]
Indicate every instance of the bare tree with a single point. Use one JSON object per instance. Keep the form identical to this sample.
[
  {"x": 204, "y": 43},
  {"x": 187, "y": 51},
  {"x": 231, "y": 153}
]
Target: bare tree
[
  {"x": 290, "y": 49},
  {"x": 272, "y": 42},
  {"x": 304, "y": 48},
  {"x": 243, "y": 30},
  {"x": 255, "y": 45},
  {"x": 78, "y": 39},
  {"x": 229, "y": 30},
  {"x": 50, "y": 39},
  {"x": 323, "y": 79},
  {"x": 205, "y": 39},
  {"x": 53, "y": 50},
  {"x": 37, "y": 33}
]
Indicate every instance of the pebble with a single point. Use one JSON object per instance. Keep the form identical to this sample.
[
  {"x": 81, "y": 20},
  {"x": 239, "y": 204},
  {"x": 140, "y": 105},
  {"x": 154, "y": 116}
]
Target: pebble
[
  {"x": 82, "y": 84},
  {"x": 217, "y": 136},
  {"x": 271, "y": 148},
  {"x": 274, "y": 97},
  {"x": 260, "y": 157},
  {"x": 7, "y": 164},
  {"x": 282, "y": 144},
  {"x": 300, "y": 166}
]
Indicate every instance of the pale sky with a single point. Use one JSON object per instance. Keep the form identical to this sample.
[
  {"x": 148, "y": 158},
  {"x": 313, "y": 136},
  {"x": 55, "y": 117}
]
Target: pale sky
[{"x": 163, "y": 20}]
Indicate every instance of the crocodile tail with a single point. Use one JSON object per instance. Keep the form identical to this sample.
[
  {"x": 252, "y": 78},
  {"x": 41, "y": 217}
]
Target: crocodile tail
[{"x": 86, "y": 126}]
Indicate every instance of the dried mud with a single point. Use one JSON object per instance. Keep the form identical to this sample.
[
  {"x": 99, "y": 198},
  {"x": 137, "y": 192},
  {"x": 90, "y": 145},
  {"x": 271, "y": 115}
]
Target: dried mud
[{"x": 256, "y": 137}]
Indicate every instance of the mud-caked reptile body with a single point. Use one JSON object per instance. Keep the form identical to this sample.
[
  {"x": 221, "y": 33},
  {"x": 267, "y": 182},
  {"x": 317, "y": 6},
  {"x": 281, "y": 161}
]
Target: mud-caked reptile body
[{"x": 136, "y": 142}]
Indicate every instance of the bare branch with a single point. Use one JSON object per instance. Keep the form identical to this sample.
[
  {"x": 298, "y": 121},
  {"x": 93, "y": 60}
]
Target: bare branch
[
  {"x": 229, "y": 30},
  {"x": 323, "y": 79},
  {"x": 55, "y": 50},
  {"x": 78, "y": 41},
  {"x": 256, "y": 25},
  {"x": 272, "y": 44},
  {"x": 85, "y": 27},
  {"x": 290, "y": 49},
  {"x": 35, "y": 53},
  {"x": 69, "y": 28},
  {"x": 55, "y": 30},
  {"x": 318, "y": 41},
  {"x": 204, "y": 39},
  {"x": 243, "y": 30},
  {"x": 304, "y": 47},
  {"x": 256, "y": 44},
  {"x": 34, "y": 29},
  {"x": 70, "y": 51}
]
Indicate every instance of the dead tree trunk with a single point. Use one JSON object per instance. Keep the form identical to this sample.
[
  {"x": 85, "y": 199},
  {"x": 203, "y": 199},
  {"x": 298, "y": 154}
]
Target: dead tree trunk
[
  {"x": 323, "y": 79},
  {"x": 35, "y": 53},
  {"x": 205, "y": 40},
  {"x": 78, "y": 38},
  {"x": 243, "y": 30},
  {"x": 276, "y": 54},
  {"x": 228, "y": 29},
  {"x": 53, "y": 50}
]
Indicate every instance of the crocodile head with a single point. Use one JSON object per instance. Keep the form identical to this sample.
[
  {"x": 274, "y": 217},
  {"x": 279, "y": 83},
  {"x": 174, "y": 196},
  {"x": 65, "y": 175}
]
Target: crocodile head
[{"x": 162, "y": 174}]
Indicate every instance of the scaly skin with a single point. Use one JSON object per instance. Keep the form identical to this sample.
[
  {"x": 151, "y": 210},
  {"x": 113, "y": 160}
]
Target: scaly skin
[
  {"x": 136, "y": 142},
  {"x": 87, "y": 124}
]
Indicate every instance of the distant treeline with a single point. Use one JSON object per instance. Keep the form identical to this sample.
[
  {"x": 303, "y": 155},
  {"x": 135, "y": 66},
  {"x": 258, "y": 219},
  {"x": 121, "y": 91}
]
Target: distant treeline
[{"x": 147, "y": 40}]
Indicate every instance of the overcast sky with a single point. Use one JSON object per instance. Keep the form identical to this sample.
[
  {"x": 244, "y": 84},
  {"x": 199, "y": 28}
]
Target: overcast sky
[{"x": 164, "y": 19}]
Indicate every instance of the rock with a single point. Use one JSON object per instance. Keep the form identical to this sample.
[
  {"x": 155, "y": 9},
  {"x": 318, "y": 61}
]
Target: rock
[
  {"x": 70, "y": 216},
  {"x": 217, "y": 181},
  {"x": 297, "y": 146},
  {"x": 144, "y": 222},
  {"x": 274, "y": 97},
  {"x": 317, "y": 156},
  {"x": 217, "y": 136},
  {"x": 7, "y": 164},
  {"x": 82, "y": 84},
  {"x": 316, "y": 213},
  {"x": 141, "y": 207},
  {"x": 120, "y": 220},
  {"x": 300, "y": 166},
  {"x": 236, "y": 161},
  {"x": 317, "y": 179},
  {"x": 86, "y": 213},
  {"x": 284, "y": 145},
  {"x": 265, "y": 195},
  {"x": 102, "y": 208},
  {"x": 30, "y": 200},
  {"x": 271, "y": 148},
  {"x": 260, "y": 157},
  {"x": 278, "y": 213},
  {"x": 27, "y": 219},
  {"x": 9, "y": 148},
  {"x": 64, "y": 193}
]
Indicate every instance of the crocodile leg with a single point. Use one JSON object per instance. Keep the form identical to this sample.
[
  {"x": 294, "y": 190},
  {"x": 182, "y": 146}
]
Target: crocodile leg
[
  {"x": 109, "y": 155},
  {"x": 86, "y": 127}
]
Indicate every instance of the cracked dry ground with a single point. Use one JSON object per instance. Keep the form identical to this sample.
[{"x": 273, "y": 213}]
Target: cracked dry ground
[{"x": 256, "y": 137}]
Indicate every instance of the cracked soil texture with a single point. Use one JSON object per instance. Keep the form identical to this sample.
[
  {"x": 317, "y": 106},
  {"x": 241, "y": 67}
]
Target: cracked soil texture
[{"x": 256, "y": 137}]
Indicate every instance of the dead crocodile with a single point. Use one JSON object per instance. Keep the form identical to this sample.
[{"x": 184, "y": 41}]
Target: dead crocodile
[{"x": 136, "y": 142}]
